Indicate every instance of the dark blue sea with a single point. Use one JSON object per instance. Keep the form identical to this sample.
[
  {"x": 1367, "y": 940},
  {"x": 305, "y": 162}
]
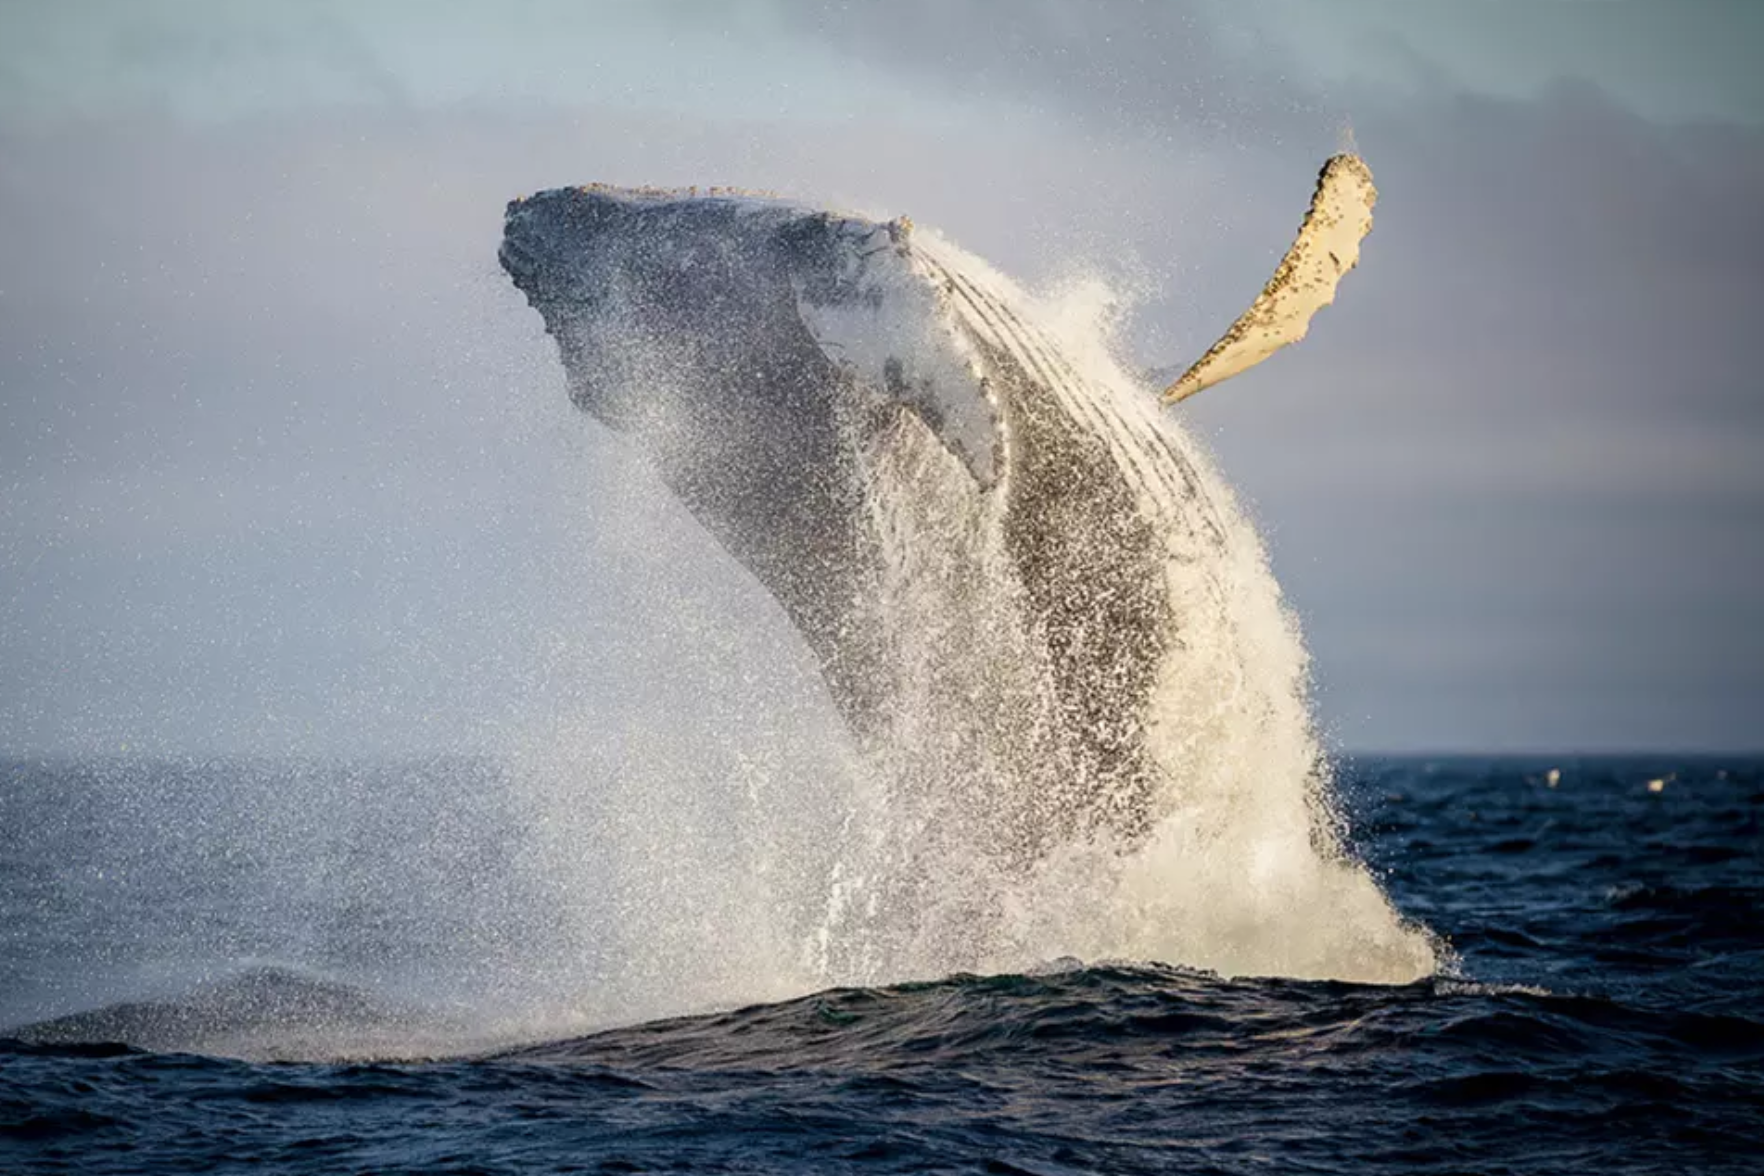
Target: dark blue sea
[{"x": 1603, "y": 1010}]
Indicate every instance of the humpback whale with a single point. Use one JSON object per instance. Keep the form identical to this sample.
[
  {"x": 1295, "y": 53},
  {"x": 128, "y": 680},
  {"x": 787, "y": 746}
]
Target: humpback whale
[{"x": 1016, "y": 573}]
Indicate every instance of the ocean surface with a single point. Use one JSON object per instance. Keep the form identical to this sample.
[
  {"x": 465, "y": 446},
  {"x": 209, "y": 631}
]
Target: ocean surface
[{"x": 360, "y": 968}]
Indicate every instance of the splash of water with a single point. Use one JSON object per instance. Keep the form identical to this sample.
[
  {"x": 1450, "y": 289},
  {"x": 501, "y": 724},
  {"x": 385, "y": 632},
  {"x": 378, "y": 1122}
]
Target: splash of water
[{"x": 793, "y": 867}]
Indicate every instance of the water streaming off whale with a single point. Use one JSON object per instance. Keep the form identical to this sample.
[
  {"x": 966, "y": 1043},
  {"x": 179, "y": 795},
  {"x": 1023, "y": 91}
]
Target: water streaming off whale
[{"x": 1077, "y": 703}]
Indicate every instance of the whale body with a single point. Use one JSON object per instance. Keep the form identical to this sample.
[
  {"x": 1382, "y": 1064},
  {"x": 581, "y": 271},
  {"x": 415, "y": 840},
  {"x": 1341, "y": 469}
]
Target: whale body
[{"x": 1020, "y": 579}]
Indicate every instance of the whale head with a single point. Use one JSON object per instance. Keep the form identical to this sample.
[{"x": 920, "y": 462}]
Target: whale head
[{"x": 709, "y": 328}]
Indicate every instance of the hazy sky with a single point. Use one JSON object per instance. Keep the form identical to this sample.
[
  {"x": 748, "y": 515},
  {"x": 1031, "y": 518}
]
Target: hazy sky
[{"x": 285, "y": 464}]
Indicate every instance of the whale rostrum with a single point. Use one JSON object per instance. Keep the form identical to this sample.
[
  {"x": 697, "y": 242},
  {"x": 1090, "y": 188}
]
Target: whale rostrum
[{"x": 1014, "y": 571}]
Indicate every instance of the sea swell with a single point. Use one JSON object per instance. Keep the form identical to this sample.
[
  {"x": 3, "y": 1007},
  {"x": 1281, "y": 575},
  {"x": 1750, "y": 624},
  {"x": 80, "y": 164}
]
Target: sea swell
[
  {"x": 1603, "y": 1012},
  {"x": 1120, "y": 1068}
]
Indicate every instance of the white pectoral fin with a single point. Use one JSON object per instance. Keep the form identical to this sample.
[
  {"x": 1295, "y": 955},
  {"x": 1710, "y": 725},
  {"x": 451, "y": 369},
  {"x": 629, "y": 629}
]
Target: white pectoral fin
[{"x": 1327, "y": 246}]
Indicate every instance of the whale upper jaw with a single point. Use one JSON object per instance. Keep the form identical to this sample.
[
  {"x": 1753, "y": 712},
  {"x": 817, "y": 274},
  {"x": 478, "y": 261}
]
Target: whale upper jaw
[{"x": 640, "y": 285}]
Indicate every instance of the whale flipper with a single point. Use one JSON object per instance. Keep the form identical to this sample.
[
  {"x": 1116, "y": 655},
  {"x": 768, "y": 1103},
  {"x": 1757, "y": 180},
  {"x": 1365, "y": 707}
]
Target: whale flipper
[{"x": 1327, "y": 246}]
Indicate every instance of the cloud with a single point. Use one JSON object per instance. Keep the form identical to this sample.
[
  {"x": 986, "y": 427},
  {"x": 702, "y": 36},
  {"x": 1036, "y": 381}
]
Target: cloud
[
  {"x": 1529, "y": 427},
  {"x": 1178, "y": 69},
  {"x": 261, "y": 383},
  {"x": 1251, "y": 70}
]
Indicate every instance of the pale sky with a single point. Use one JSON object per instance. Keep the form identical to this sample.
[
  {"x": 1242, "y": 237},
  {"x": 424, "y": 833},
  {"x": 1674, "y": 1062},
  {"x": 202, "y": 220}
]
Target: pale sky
[{"x": 286, "y": 465}]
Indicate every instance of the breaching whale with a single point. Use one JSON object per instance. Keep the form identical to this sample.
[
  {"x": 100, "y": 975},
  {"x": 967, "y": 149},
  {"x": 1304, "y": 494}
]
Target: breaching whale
[{"x": 1013, "y": 571}]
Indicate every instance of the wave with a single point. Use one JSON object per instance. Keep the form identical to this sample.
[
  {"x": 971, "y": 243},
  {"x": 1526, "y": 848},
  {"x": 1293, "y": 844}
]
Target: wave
[
  {"x": 1119, "y": 1068},
  {"x": 1090, "y": 1016},
  {"x": 1084, "y": 1014}
]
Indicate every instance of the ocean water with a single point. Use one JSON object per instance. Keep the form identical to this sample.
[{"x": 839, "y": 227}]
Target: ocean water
[{"x": 367, "y": 968}]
